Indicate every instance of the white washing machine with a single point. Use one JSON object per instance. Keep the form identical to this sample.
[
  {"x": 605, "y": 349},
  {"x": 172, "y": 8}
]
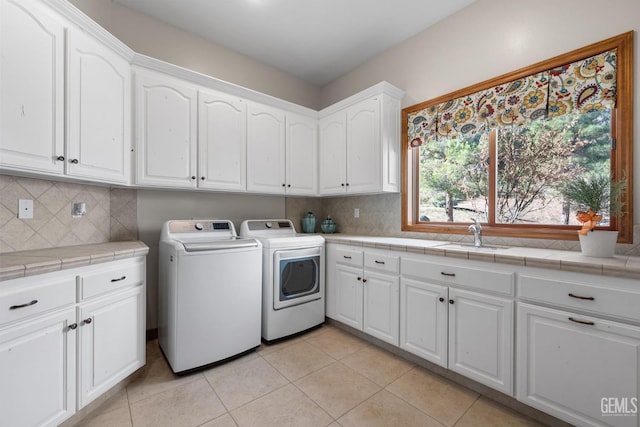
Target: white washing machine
[
  {"x": 210, "y": 293},
  {"x": 292, "y": 277}
]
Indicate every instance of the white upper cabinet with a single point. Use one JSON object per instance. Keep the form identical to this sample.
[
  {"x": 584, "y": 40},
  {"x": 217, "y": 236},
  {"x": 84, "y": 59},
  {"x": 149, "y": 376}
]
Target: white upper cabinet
[
  {"x": 33, "y": 84},
  {"x": 265, "y": 149},
  {"x": 166, "y": 133},
  {"x": 363, "y": 149},
  {"x": 99, "y": 110},
  {"x": 333, "y": 153},
  {"x": 360, "y": 143},
  {"x": 301, "y": 155},
  {"x": 222, "y": 141},
  {"x": 31, "y": 87}
]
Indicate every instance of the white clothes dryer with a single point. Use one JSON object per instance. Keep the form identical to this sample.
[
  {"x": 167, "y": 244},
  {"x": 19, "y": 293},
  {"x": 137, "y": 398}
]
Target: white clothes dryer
[
  {"x": 210, "y": 293},
  {"x": 292, "y": 277}
]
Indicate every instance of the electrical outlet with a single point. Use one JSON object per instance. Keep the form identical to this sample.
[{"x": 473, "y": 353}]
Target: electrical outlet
[
  {"x": 356, "y": 213},
  {"x": 25, "y": 209}
]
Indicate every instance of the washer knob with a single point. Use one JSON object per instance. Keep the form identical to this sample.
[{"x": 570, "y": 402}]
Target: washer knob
[
  {"x": 268, "y": 225},
  {"x": 199, "y": 226}
]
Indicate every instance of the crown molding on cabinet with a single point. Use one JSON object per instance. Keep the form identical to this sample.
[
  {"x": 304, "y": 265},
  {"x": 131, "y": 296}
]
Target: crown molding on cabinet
[
  {"x": 219, "y": 85},
  {"x": 78, "y": 18},
  {"x": 377, "y": 89}
]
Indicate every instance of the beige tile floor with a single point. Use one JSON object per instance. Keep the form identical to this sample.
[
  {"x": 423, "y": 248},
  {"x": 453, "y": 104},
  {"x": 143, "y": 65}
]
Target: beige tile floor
[{"x": 324, "y": 378}]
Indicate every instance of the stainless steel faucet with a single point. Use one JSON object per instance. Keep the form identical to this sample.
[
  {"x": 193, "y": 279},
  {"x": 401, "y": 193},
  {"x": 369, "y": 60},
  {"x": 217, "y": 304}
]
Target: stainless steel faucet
[{"x": 476, "y": 229}]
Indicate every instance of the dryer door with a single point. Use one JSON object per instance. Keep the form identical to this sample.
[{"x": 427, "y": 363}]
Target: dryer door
[{"x": 296, "y": 276}]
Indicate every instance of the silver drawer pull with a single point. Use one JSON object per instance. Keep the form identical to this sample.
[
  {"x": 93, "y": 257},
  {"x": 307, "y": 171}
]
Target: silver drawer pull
[
  {"x": 346, "y": 257},
  {"x": 379, "y": 262},
  {"x": 579, "y": 297},
  {"x": 583, "y": 322},
  {"x": 448, "y": 274},
  {"x": 117, "y": 280},
  {"x": 13, "y": 307}
]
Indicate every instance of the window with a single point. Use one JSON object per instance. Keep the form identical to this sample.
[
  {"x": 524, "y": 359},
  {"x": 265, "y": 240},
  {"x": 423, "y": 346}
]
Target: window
[{"x": 501, "y": 151}]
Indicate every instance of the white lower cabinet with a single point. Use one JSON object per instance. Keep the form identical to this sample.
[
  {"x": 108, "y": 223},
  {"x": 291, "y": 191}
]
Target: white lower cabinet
[
  {"x": 481, "y": 338},
  {"x": 582, "y": 369},
  {"x": 578, "y": 347},
  {"x": 381, "y": 306},
  {"x": 363, "y": 294},
  {"x": 469, "y": 332},
  {"x": 348, "y": 294},
  {"x": 111, "y": 346},
  {"x": 424, "y": 320},
  {"x": 57, "y": 355},
  {"x": 37, "y": 370}
]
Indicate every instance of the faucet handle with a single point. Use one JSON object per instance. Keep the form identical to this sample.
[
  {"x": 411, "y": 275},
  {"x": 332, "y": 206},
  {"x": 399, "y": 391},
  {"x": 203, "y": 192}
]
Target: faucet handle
[{"x": 476, "y": 223}]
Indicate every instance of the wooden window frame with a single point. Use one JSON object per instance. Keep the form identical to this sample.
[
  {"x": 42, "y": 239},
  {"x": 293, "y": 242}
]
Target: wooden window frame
[{"x": 621, "y": 157}]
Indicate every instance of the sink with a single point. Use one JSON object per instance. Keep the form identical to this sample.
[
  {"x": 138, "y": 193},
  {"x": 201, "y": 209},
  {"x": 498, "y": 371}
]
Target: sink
[{"x": 470, "y": 248}]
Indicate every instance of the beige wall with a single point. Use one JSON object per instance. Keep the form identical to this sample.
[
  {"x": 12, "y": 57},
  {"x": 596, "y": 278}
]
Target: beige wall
[{"x": 151, "y": 37}]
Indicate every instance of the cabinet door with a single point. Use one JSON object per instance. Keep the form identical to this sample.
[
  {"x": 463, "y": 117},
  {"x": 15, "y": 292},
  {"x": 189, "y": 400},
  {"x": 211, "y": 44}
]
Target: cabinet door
[
  {"x": 31, "y": 87},
  {"x": 112, "y": 341},
  {"x": 265, "y": 150},
  {"x": 38, "y": 371},
  {"x": 381, "y": 306},
  {"x": 363, "y": 147},
  {"x": 330, "y": 281},
  {"x": 99, "y": 111},
  {"x": 348, "y": 295},
  {"x": 302, "y": 155},
  {"x": 333, "y": 154},
  {"x": 578, "y": 372},
  {"x": 481, "y": 338},
  {"x": 390, "y": 143},
  {"x": 166, "y": 142},
  {"x": 423, "y": 320},
  {"x": 222, "y": 142}
]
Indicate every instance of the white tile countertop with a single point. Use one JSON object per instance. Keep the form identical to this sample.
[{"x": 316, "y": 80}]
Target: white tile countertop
[
  {"x": 38, "y": 261},
  {"x": 618, "y": 266}
]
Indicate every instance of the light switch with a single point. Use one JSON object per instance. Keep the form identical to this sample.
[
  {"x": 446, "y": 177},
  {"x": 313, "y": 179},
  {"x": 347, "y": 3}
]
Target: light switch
[
  {"x": 25, "y": 209},
  {"x": 356, "y": 213}
]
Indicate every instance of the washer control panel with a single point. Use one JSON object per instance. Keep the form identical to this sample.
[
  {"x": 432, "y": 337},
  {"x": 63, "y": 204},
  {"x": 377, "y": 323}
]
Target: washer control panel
[{"x": 201, "y": 226}]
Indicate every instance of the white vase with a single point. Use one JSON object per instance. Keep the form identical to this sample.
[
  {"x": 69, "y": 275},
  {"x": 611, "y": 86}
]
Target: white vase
[{"x": 598, "y": 243}]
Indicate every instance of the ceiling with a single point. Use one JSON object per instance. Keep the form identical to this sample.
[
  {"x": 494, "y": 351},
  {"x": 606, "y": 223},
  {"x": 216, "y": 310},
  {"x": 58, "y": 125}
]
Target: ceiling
[{"x": 317, "y": 41}]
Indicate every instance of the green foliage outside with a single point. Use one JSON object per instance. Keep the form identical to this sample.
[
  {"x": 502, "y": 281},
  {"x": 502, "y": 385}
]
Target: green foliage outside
[{"x": 534, "y": 164}]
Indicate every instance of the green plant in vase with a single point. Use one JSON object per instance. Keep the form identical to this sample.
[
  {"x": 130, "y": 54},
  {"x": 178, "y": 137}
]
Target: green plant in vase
[{"x": 593, "y": 196}]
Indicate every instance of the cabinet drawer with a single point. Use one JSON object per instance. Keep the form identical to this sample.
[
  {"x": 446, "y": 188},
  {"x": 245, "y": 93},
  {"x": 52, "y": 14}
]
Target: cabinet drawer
[
  {"x": 36, "y": 298},
  {"x": 587, "y": 297},
  {"x": 108, "y": 279},
  {"x": 349, "y": 257},
  {"x": 469, "y": 277},
  {"x": 387, "y": 263}
]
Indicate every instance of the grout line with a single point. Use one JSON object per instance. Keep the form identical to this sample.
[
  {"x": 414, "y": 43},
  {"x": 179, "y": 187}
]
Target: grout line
[
  {"x": 126, "y": 390},
  {"x": 467, "y": 410}
]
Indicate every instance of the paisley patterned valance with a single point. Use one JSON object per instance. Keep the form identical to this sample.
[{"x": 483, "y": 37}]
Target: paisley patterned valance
[{"x": 585, "y": 85}]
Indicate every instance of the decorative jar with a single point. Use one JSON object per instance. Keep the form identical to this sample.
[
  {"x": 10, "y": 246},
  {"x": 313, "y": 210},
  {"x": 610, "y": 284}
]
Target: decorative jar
[
  {"x": 328, "y": 226},
  {"x": 309, "y": 223}
]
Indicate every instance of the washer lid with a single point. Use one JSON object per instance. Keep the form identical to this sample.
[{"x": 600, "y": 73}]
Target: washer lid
[{"x": 216, "y": 245}]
